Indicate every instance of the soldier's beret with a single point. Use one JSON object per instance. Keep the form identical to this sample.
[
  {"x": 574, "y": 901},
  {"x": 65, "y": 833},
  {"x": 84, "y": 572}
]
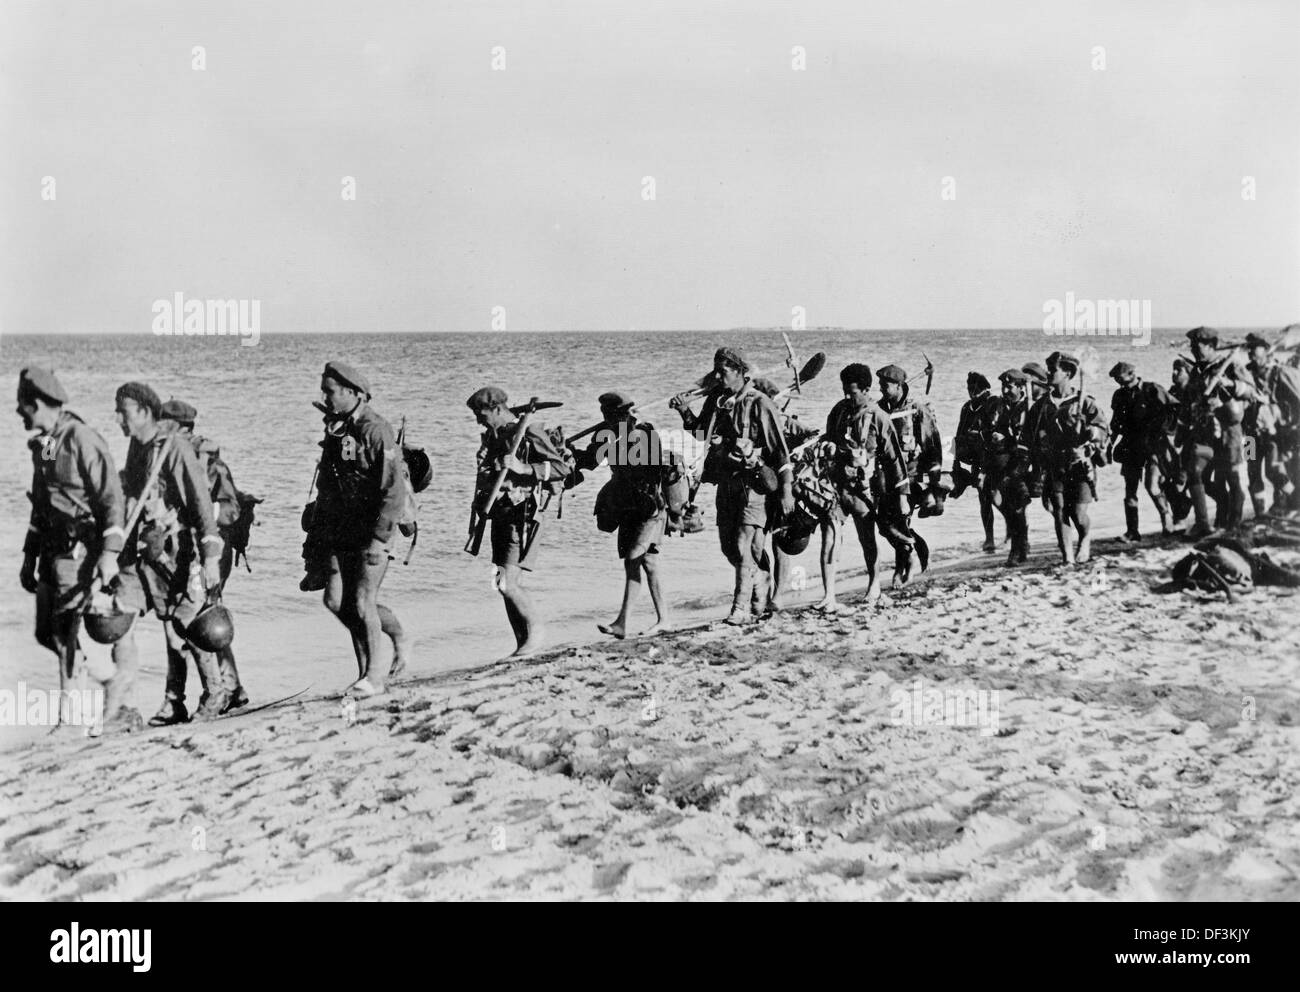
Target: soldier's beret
[
  {"x": 43, "y": 383},
  {"x": 892, "y": 373},
  {"x": 1035, "y": 372},
  {"x": 766, "y": 386},
  {"x": 142, "y": 395},
  {"x": 1122, "y": 369},
  {"x": 731, "y": 357},
  {"x": 1067, "y": 363},
  {"x": 1206, "y": 335},
  {"x": 179, "y": 411},
  {"x": 1052, "y": 359},
  {"x": 857, "y": 374},
  {"x": 976, "y": 379},
  {"x": 1014, "y": 375},
  {"x": 615, "y": 401},
  {"x": 1254, "y": 340},
  {"x": 348, "y": 376},
  {"x": 486, "y": 398}
]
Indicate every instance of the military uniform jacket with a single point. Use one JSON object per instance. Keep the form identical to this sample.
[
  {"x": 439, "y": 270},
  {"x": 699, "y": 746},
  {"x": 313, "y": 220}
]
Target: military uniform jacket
[
  {"x": 180, "y": 489},
  {"x": 361, "y": 491},
  {"x": 1197, "y": 416},
  {"x": 1278, "y": 385},
  {"x": 918, "y": 436},
  {"x": 536, "y": 449},
  {"x": 1007, "y": 437},
  {"x": 748, "y": 415},
  {"x": 221, "y": 485},
  {"x": 639, "y": 463},
  {"x": 1065, "y": 424},
  {"x": 75, "y": 487},
  {"x": 1139, "y": 416},
  {"x": 868, "y": 430},
  {"x": 968, "y": 441}
]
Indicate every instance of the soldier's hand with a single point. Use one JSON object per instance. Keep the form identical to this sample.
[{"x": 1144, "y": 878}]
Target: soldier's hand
[
  {"x": 1081, "y": 453},
  {"x": 27, "y": 577},
  {"x": 211, "y": 572},
  {"x": 787, "y": 501},
  {"x": 513, "y": 464},
  {"x": 106, "y": 568},
  {"x": 678, "y": 402},
  {"x": 904, "y": 506}
]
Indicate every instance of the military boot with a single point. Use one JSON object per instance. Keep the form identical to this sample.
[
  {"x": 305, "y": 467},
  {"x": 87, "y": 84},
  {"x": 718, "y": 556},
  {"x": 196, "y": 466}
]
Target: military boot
[
  {"x": 1131, "y": 532},
  {"x": 740, "y": 601},
  {"x": 216, "y": 698},
  {"x": 173, "y": 711},
  {"x": 1200, "y": 507}
]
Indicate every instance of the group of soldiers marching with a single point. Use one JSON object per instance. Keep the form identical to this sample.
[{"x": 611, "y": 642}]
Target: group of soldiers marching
[
  {"x": 160, "y": 537},
  {"x": 105, "y": 547}
]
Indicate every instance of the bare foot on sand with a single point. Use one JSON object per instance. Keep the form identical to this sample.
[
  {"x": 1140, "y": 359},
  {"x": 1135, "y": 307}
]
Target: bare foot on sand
[
  {"x": 614, "y": 629},
  {"x": 364, "y": 687},
  {"x": 536, "y": 641},
  {"x": 827, "y": 605},
  {"x": 990, "y": 545},
  {"x": 401, "y": 646},
  {"x": 873, "y": 591},
  {"x": 660, "y": 626},
  {"x": 1084, "y": 551}
]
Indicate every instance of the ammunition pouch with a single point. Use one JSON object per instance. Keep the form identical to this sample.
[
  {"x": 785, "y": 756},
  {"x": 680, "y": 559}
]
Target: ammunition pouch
[{"x": 60, "y": 534}]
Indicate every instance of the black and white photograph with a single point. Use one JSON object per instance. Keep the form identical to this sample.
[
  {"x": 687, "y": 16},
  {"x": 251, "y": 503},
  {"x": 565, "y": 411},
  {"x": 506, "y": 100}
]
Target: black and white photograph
[{"x": 583, "y": 451}]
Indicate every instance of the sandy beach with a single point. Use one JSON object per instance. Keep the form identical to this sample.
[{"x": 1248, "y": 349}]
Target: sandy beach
[{"x": 1130, "y": 746}]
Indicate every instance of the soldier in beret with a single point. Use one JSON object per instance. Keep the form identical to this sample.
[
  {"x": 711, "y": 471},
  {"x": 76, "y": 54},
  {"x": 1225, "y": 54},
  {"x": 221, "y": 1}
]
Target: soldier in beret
[
  {"x": 918, "y": 437},
  {"x": 748, "y": 460},
  {"x": 1007, "y": 445},
  {"x": 359, "y": 503},
  {"x": 74, "y": 536},
  {"x": 1139, "y": 413},
  {"x": 639, "y": 467},
  {"x": 515, "y": 514},
  {"x": 968, "y": 450},
  {"x": 1072, "y": 430},
  {"x": 1273, "y": 420},
  {"x": 226, "y": 507},
  {"x": 173, "y": 556}
]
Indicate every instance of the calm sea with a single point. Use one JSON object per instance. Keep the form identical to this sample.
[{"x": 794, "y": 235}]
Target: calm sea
[{"x": 256, "y": 403}]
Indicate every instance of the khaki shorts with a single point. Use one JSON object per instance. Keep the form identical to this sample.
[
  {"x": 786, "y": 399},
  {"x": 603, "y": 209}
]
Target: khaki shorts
[
  {"x": 640, "y": 537},
  {"x": 68, "y": 575},
  {"x": 509, "y": 531}
]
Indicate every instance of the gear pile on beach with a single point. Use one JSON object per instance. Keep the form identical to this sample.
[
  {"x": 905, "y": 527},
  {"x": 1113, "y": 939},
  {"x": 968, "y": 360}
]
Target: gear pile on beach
[{"x": 163, "y": 536}]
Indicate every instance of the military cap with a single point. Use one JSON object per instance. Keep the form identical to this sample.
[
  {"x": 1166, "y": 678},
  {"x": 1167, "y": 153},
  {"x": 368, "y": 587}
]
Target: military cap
[
  {"x": 615, "y": 401},
  {"x": 731, "y": 357},
  {"x": 976, "y": 379},
  {"x": 1014, "y": 375},
  {"x": 1122, "y": 369},
  {"x": 175, "y": 409},
  {"x": 1254, "y": 340},
  {"x": 1037, "y": 374},
  {"x": 1206, "y": 335},
  {"x": 348, "y": 376},
  {"x": 142, "y": 395},
  {"x": 41, "y": 382},
  {"x": 857, "y": 374},
  {"x": 1067, "y": 363},
  {"x": 486, "y": 398},
  {"x": 1052, "y": 359},
  {"x": 891, "y": 373}
]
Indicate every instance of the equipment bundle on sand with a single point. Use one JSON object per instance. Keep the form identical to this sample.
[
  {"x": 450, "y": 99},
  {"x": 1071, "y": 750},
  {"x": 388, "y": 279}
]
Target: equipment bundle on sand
[{"x": 1228, "y": 565}]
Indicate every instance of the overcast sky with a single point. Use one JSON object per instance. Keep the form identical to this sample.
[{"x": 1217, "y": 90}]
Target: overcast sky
[{"x": 522, "y": 188}]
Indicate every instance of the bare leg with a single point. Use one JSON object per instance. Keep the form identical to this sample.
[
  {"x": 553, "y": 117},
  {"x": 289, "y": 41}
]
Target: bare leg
[
  {"x": 830, "y": 537},
  {"x": 651, "y": 567},
  {"x": 631, "y": 590},
  {"x": 392, "y": 627},
  {"x": 986, "y": 518},
  {"x": 866, "y": 527},
  {"x": 530, "y": 621}
]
